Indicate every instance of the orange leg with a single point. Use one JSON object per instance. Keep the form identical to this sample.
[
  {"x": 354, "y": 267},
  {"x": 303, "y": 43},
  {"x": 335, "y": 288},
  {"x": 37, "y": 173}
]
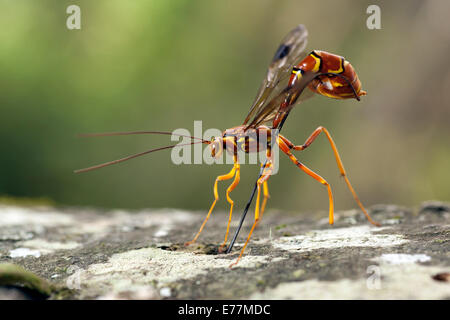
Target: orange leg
[
  {"x": 318, "y": 178},
  {"x": 262, "y": 180},
  {"x": 231, "y": 202},
  {"x": 308, "y": 142},
  {"x": 234, "y": 172},
  {"x": 267, "y": 171},
  {"x": 266, "y": 196}
]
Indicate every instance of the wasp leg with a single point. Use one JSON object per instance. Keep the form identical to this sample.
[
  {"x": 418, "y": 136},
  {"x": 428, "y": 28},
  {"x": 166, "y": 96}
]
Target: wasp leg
[
  {"x": 262, "y": 180},
  {"x": 266, "y": 196},
  {"x": 268, "y": 171},
  {"x": 321, "y": 180},
  {"x": 227, "y": 176},
  {"x": 231, "y": 202},
  {"x": 310, "y": 140}
]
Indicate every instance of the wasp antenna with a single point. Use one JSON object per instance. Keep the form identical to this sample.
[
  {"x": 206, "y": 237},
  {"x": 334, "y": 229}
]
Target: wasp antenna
[
  {"x": 106, "y": 134},
  {"x": 109, "y": 163}
]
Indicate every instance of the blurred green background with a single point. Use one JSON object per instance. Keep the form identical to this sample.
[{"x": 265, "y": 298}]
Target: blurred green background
[{"x": 161, "y": 64}]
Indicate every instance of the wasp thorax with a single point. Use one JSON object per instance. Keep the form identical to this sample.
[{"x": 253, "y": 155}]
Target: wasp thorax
[{"x": 216, "y": 146}]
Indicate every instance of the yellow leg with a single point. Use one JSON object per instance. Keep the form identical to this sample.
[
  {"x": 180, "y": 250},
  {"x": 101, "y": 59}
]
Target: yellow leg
[
  {"x": 266, "y": 196},
  {"x": 237, "y": 178},
  {"x": 227, "y": 176}
]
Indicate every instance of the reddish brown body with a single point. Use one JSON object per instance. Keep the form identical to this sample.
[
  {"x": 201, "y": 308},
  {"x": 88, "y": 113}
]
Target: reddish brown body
[
  {"x": 329, "y": 85},
  {"x": 344, "y": 86}
]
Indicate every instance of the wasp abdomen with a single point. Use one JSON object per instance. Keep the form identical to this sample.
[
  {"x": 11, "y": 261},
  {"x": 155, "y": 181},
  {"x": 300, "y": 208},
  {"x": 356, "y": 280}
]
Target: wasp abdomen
[{"x": 328, "y": 85}]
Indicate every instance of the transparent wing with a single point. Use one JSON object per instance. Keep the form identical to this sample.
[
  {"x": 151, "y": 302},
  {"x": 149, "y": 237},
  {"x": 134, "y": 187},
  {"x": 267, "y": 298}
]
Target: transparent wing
[
  {"x": 286, "y": 56},
  {"x": 289, "y": 97}
]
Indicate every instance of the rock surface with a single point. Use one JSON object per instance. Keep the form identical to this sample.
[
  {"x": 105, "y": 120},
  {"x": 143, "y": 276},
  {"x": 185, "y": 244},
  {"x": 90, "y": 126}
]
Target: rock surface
[{"x": 73, "y": 253}]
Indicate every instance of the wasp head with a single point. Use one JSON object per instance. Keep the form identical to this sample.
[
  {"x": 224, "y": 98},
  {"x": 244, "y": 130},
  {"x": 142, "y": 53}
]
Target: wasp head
[{"x": 216, "y": 146}]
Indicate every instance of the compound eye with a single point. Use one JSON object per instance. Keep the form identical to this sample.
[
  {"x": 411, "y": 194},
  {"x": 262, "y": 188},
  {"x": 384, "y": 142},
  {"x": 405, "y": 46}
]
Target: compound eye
[{"x": 216, "y": 148}]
